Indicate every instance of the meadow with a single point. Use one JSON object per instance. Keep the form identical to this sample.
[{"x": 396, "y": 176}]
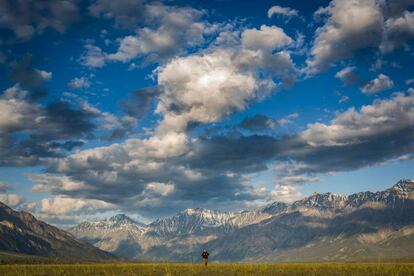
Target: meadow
[{"x": 212, "y": 269}]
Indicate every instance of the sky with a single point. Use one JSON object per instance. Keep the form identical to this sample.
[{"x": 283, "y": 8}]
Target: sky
[{"x": 151, "y": 107}]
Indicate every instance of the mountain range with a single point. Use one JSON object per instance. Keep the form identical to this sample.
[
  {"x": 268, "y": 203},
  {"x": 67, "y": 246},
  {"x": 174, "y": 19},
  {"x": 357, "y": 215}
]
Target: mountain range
[
  {"x": 321, "y": 227},
  {"x": 21, "y": 232}
]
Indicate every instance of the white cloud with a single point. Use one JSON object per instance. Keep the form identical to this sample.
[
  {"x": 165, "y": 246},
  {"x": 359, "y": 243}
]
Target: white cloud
[
  {"x": 379, "y": 84},
  {"x": 15, "y": 112},
  {"x": 79, "y": 83},
  {"x": 92, "y": 57},
  {"x": 359, "y": 24},
  {"x": 352, "y": 25},
  {"x": 265, "y": 39},
  {"x": 161, "y": 189},
  {"x": 353, "y": 127},
  {"x": 61, "y": 205},
  {"x": 205, "y": 88},
  {"x": 284, "y": 11},
  {"x": 11, "y": 200},
  {"x": 126, "y": 13},
  {"x": 44, "y": 74},
  {"x": 51, "y": 183},
  {"x": 288, "y": 119},
  {"x": 129, "y": 48},
  {"x": 348, "y": 75},
  {"x": 30, "y": 17},
  {"x": 286, "y": 193},
  {"x": 397, "y": 30},
  {"x": 167, "y": 30}
]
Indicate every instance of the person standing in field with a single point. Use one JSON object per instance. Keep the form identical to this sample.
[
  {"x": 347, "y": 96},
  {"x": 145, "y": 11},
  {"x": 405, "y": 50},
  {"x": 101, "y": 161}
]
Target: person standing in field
[{"x": 205, "y": 257}]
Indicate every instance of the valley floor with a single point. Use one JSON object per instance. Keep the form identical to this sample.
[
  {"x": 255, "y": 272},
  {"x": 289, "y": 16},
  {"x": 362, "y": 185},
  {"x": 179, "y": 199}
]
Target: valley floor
[{"x": 212, "y": 269}]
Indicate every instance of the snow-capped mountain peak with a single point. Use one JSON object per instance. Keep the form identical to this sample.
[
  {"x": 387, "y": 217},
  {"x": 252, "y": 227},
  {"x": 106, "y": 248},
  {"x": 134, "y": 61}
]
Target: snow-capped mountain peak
[
  {"x": 123, "y": 219},
  {"x": 404, "y": 185},
  {"x": 190, "y": 228}
]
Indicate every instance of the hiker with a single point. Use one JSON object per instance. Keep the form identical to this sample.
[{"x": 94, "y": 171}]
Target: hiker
[{"x": 205, "y": 257}]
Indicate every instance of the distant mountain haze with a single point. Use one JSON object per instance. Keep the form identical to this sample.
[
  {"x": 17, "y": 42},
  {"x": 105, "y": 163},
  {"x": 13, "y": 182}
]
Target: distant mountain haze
[{"x": 321, "y": 227}]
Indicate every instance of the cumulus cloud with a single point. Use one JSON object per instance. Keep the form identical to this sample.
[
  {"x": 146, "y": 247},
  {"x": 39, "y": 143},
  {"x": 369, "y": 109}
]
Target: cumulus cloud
[
  {"x": 45, "y": 74},
  {"x": 283, "y": 11},
  {"x": 205, "y": 88},
  {"x": 398, "y": 24},
  {"x": 356, "y": 25},
  {"x": 79, "y": 83},
  {"x": 397, "y": 30},
  {"x": 127, "y": 13},
  {"x": 161, "y": 31},
  {"x": 286, "y": 193},
  {"x": 265, "y": 50},
  {"x": 22, "y": 72},
  {"x": 353, "y": 127},
  {"x": 348, "y": 76},
  {"x": 288, "y": 119},
  {"x": 11, "y": 200},
  {"x": 139, "y": 101},
  {"x": 93, "y": 56},
  {"x": 61, "y": 205},
  {"x": 351, "y": 25},
  {"x": 379, "y": 84},
  {"x": 25, "y": 18},
  {"x": 258, "y": 123},
  {"x": 31, "y": 133},
  {"x": 176, "y": 170},
  {"x": 151, "y": 173},
  {"x": 266, "y": 39}
]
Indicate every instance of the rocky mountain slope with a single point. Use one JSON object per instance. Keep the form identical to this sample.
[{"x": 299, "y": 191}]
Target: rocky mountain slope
[
  {"x": 320, "y": 227},
  {"x": 21, "y": 232}
]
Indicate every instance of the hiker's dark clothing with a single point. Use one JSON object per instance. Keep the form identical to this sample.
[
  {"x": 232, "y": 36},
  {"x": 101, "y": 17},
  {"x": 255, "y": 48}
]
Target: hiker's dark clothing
[{"x": 205, "y": 257}]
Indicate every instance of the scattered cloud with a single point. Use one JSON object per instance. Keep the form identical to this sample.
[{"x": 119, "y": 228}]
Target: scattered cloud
[
  {"x": 30, "y": 17},
  {"x": 258, "y": 123},
  {"x": 286, "y": 193},
  {"x": 379, "y": 84},
  {"x": 283, "y": 11},
  {"x": 351, "y": 25},
  {"x": 60, "y": 205},
  {"x": 397, "y": 30},
  {"x": 348, "y": 76},
  {"x": 11, "y": 200},
  {"x": 266, "y": 39},
  {"x": 288, "y": 119},
  {"x": 205, "y": 73},
  {"x": 79, "y": 83},
  {"x": 92, "y": 57},
  {"x": 32, "y": 133},
  {"x": 168, "y": 30}
]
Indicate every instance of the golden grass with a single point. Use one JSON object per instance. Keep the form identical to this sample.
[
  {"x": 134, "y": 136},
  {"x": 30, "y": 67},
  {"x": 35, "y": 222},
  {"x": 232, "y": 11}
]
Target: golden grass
[{"x": 212, "y": 269}]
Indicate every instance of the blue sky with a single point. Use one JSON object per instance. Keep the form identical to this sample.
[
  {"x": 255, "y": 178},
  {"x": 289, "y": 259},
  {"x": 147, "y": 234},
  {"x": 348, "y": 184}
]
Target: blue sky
[{"x": 150, "y": 107}]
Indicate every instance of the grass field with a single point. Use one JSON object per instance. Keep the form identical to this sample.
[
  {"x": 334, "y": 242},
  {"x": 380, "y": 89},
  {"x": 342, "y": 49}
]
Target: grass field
[{"x": 212, "y": 269}]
